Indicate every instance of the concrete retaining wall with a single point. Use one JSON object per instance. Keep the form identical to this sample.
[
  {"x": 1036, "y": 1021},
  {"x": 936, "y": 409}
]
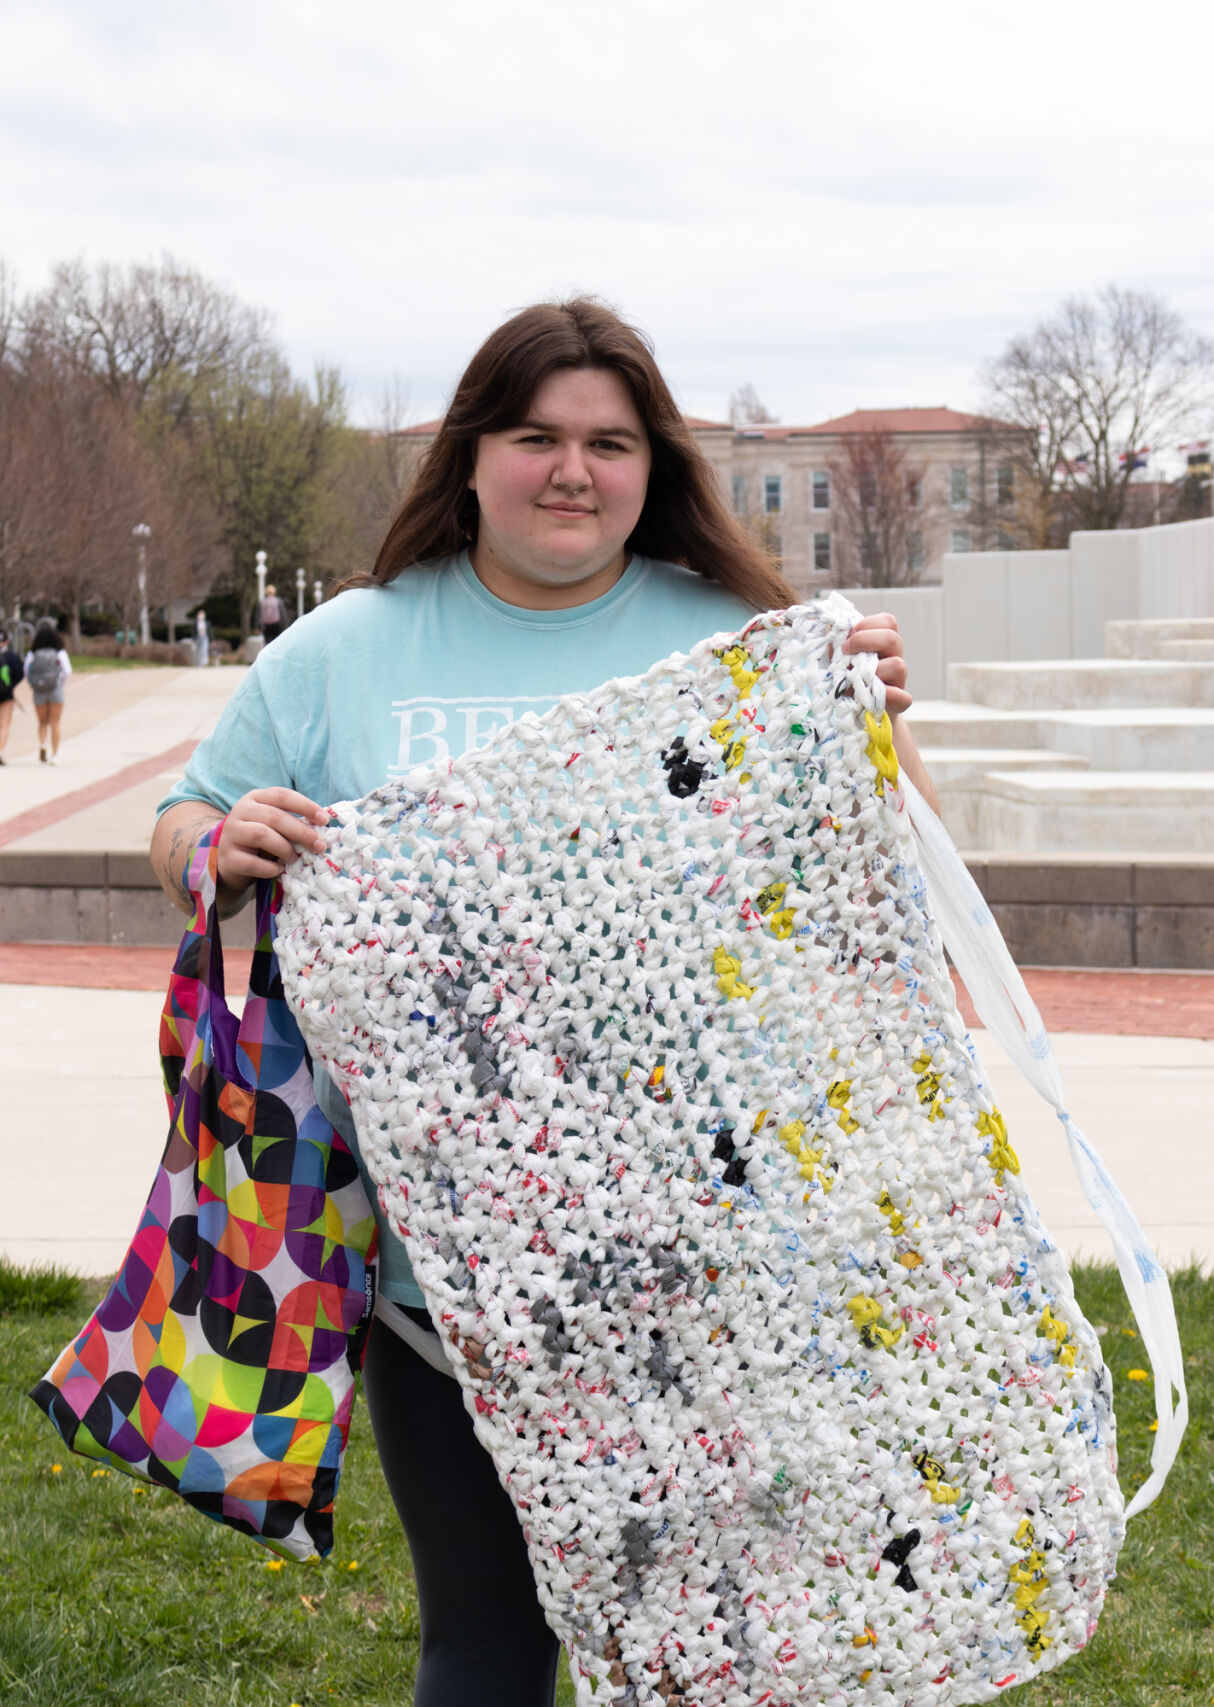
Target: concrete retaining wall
[
  {"x": 1054, "y": 910},
  {"x": 1007, "y": 606},
  {"x": 94, "y": 897}
]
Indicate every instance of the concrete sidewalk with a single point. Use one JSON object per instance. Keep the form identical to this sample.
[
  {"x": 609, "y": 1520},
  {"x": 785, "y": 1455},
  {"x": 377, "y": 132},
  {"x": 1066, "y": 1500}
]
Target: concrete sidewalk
[
  {"x": 114, "y": 722},
  {"x": 85, "y": 1124}
]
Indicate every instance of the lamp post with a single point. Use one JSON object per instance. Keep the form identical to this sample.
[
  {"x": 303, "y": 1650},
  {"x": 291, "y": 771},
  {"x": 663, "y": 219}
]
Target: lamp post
[
  {"x": 261, "y": 576},
  {"x": 143, "y": 533},
  {"x": 318, "y": 592},
  {"x": 300, "y": 584}
]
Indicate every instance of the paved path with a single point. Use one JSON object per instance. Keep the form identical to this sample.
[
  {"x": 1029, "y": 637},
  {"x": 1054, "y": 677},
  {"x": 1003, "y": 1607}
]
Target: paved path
[{"x": 127, "y": 736}]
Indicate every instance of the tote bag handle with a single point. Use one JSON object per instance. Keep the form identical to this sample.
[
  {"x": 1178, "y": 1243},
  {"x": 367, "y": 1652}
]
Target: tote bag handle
[{"x": 202, "y": 880}]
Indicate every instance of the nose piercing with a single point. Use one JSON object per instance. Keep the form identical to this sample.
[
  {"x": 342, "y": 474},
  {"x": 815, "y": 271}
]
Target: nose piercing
[{"x": 573, "y": 491}]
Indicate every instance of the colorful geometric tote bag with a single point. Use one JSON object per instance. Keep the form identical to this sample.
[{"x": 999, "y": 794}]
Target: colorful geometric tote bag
[
  {"x": 221, "y": 1362},
  {"x": 645, "y": 1020}
]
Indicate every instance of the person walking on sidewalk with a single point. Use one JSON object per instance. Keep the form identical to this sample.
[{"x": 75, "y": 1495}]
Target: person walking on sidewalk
[
  {"x": 12, "y": 671},
  {"x": 564, "y": 528},
  {"x": 47, "y": 668},
  {"x": 271, "y": 615}
]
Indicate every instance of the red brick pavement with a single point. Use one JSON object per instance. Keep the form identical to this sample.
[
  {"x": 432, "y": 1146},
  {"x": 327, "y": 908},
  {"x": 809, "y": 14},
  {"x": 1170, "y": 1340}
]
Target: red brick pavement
[
  {"x": 105, "y": 966},
  {"x": 1137, "y": 1003},
  {"x": 93, "y": 793}
]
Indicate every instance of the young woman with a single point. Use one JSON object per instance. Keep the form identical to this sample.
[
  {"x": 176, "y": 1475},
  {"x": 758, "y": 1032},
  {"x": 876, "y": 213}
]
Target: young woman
[
  {"x": 12, "y": 671},
  {"x": 563, "y": 529},
  {"x": 47, "y": 668}
]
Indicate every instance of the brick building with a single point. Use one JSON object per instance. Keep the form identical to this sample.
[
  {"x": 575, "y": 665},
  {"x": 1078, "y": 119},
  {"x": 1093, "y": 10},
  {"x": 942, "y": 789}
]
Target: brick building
[{"x": 810, "y": 490}]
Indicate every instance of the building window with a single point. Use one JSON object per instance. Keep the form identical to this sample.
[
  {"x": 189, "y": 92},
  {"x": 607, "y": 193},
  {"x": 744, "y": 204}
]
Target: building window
[
  {"x": 739, "y": 494},
  {"x": 822, "y": 494},
  {"x": 1004, "y": 484},
  {"x": 959, "y": 488},
  {"x": 868, "y": 490},
  {"x": 914, "y": 492},
  {"x": 822, "y": 552},
  {"x": 772, "y": 501},
  {"x": 960, "y": 540},
  {"x": 914, "y": 551}
]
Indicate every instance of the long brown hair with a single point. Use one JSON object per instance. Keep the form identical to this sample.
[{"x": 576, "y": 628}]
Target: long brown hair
[{"x": 684, "y": 518}]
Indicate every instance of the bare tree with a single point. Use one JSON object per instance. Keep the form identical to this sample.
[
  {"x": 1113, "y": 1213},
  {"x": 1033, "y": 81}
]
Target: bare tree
[
  {"x": 883, "y": 512},
  {"x": 1099, "y": 381},
  {"x": 156, "y": 336},
  {"x": 746, "y": 409},
  {"x": 239, "y": 449},
  {"x": 74, "y": 481},
  {"x": 8, "y": 313}
]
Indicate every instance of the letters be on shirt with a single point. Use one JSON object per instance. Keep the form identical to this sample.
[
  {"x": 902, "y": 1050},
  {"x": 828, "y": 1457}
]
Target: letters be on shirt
[{"x": 432, "y": 730}]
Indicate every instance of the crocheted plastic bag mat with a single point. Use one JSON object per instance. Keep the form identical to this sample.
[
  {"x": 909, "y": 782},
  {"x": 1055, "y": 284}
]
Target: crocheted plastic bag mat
[{"x": 652, "y": 1050}]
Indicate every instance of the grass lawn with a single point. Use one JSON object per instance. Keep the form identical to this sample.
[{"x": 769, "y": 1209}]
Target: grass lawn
[
  {"x": 87, "y": 663},
  {"x": 113, "y": 1594},
  {"x": 82, "y": 661}
]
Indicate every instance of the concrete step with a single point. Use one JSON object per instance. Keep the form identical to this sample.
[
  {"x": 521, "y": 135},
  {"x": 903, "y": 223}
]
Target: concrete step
[
  {"x": 946, "y": 723},
  {"x": 1187, "y": 651},
  {"x": 1160, "y": 738},
  {"x": 962, "y": 779},
  {"x": 1081, "y": 811},
  {"x": 1144, "y": 637},
  {"x": 950, "y": 766},
  {"x": 1082, "y": 684}
]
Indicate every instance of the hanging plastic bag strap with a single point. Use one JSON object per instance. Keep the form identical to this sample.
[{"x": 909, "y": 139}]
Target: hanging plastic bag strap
[
  {"x": 1006, "y": 1009},
  {"x": 196, "y": 1003}
]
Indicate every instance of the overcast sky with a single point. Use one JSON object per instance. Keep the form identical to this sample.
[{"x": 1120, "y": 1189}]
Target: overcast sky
[{"x": 846, "y": 205}]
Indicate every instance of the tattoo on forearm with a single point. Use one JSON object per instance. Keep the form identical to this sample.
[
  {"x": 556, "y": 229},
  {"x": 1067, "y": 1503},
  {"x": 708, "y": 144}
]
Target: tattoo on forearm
[{"x": 181, "y": 848}]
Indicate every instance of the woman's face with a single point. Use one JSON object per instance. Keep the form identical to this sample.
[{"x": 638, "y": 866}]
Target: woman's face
[{"x": 560, "y": 493}]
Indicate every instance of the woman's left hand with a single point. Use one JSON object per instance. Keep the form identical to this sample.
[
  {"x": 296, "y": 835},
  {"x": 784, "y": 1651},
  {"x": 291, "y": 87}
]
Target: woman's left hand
[{"x": 879, "y": 634}]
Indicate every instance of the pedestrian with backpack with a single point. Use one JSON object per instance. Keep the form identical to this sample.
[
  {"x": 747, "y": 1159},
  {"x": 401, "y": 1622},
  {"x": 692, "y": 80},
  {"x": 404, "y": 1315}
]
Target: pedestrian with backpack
[
  {"x": 47, "y": 668},
  {"x": 12, "y": 671}
]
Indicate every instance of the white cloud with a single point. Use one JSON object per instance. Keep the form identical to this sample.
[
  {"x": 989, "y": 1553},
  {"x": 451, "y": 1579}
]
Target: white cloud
[{"x": 843, "y": 205}]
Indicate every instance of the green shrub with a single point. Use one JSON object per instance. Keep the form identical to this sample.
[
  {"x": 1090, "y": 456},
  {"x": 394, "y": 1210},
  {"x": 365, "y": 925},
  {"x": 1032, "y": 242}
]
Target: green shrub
[{"x": 38, "y": 1291}]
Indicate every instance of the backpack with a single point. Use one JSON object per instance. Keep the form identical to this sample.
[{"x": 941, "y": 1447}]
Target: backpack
[{"x": 43, "y": 673}]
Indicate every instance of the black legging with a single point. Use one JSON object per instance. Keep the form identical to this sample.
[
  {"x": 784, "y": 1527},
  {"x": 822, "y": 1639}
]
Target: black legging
[{"x": 484, "y": 1641}]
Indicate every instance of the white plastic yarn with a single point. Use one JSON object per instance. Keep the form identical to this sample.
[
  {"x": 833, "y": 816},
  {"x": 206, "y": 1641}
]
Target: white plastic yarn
[{"x": 653, "y": 1053}]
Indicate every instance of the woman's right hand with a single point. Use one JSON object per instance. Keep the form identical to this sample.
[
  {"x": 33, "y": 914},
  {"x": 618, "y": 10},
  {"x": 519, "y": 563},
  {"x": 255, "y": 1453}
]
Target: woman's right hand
[{"x": 264, "y": 831}]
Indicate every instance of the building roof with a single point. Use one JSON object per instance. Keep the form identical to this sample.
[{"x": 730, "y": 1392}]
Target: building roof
[{"x": 941, "y": 420}]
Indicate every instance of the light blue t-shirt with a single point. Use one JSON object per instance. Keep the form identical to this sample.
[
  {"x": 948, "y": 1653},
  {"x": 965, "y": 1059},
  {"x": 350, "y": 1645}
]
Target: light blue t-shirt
[{"x": 385, "y": 678}]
